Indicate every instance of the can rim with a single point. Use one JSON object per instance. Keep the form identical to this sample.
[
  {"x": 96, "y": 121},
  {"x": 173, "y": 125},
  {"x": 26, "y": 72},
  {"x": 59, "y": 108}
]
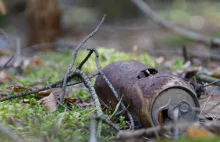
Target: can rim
[{"x": 190, "y": 91}]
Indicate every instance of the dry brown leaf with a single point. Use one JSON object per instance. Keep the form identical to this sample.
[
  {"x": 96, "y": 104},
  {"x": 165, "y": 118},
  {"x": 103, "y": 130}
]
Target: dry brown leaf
[
  {"x": 216, "y": 73},
  {"x": 44, "y": 93},
  {"x": 37, "y": 61},
  {"x": 195, "y": 132},
  {"x": 17, "y": 88},
  {"x": 71, "y": 100},
  {"x": 49, "y": 103}
]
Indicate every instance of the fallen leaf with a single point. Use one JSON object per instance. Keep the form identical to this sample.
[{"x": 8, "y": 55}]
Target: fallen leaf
[
  {"x": 196, "y": 132},
  {"x": 71, "y": 100},
  {"x": 49, "y": 103},
  {"x": 44, "y": 93},
  {"x": 216, "y": 73},
  {"x": 37, "y": 61},
  {"x": 17, "y": 88}
]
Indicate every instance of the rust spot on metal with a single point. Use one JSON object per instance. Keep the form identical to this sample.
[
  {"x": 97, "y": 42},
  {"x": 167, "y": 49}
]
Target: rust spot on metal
[{"x": 142, "y": 86}]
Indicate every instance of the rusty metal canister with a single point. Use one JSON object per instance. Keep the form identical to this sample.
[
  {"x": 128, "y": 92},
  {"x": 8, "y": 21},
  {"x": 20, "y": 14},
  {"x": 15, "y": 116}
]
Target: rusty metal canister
[{"x": 152, "y": 96}]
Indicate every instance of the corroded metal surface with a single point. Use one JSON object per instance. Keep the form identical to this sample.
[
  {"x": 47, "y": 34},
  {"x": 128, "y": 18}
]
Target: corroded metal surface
[{"x": 140, "y": 87}]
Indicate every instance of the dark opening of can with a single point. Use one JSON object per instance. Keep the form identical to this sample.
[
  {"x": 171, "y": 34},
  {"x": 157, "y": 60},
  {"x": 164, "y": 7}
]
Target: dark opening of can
[
  {"x": 147, "y": 72},
  {"x": 163, "y": 117}
]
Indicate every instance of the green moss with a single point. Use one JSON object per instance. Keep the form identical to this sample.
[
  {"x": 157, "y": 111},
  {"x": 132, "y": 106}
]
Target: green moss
[{"x": 31, "y": 122}]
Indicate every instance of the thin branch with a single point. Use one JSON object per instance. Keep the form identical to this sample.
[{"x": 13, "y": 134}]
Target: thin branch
[
  {"x": 92, "y": 137},
  {"x": 112, "y": 88},
  {"x": 17, "y": 95},
  {"x": 144, "y": 7},
  {"x": 57, "y": 84},
  {"x": 207, "y": 78},
  {"x": 5, "y": 65},
  {"x": 86, "y": 58},
  {"x": 149, "y": 131},
  {"x": 75, "y": 55},
  {"x": 95, "y": 98},
  {"x": 88, "y": 84}
]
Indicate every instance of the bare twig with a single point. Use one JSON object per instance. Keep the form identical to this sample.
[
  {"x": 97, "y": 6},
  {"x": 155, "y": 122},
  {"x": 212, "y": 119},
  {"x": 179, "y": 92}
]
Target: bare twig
[
  {"x": 95, "y": 99},
  {"x": 78, "y": 82},
  {"x": 209, "y": 79},
  {"x": 93, "y": 137},
  {"x": 113, "y": 89},
  {"x": 18, "y": 52},
  {"x": 149, "y": 131},
  {"x": 33, "y": 91},
  {"x": 86, "y": 58},
  {"x": 144, "y": 7},
  {"x": 88, "y": 84},
  {"x": 5, "y": 65},
  {"x": 185, "y": 54},
  {"x": 75, "y": 55}
]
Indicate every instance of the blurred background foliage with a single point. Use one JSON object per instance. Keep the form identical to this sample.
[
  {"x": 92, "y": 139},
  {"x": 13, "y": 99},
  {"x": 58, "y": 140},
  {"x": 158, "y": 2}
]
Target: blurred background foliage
[{"x": 79, "y": 15}]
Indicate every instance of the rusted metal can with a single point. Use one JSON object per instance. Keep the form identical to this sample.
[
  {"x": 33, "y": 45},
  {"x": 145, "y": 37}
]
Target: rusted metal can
[{"x": 152, "y": 96}]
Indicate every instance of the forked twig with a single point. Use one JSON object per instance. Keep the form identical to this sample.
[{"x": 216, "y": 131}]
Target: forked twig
[{"x": 75, "y": 55}]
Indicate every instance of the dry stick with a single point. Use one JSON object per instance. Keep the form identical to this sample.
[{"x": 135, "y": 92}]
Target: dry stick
[
  {"x": 5, "y": 65},
  {"x": 112, "y": 88},
  {"x": 95, "y": 99},
  {"x": 7, "y": 132},
  {"x": 150, "y": 131},
  {"x": 75, "y": 55},
  {"x": 207, "y": 78},
  {"x": 144, "y": 7},
  {"x": 16, "y": 95},
  {"x": 54, "y": 85},
  {"x": 107, "y": 122},
  {"x": 86, "y": 58},
  {"x": 78, "y": 82},
  {"x": 92, "y": 137}
]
